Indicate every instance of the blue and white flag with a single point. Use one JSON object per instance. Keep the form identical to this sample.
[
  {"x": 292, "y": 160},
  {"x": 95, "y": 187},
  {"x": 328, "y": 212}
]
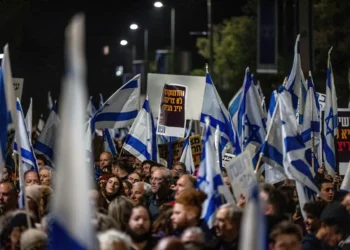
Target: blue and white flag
[
  {"x": 90, "y": 109},
  {"x": 142, "y": 139},
  {"x": 330, "y": 120},
  {"x": 209, "y": 177},
  {"x": 40, "y": 125},
  {"x": 121, "y": 109},
  {"x": 217, "y": 112},
  {"x": 101, "y": 101},
  {"x": 186, "y": 156},
  {"x": 46, "y": 140},
  {"x": 3, "y": 124},
  {"x": 71, "y": 226},
  {"x": 27, "y": 152},
  {"x": 296, "y": 84},
  {"x": 108, "y": 135},
  {"x": 253, "y": 231},
  {"x": 29, "y": 119},
  {"x": 311, "y": 126},
  {"x": 8, "y": 86}
]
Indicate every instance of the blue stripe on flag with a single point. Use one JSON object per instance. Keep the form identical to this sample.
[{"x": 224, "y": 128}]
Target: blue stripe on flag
[
  {"x": 25, "y": 153},
  {"x": 44, "y": 149},
  {"x": 62, "y": 239},
  {"x": 213, "y": 122},
  {"x": 139, "y": 146},
  {"x": 130, "y": 85},
  {"x": 115, "y": 117},
  {"x": 302, "y": 168},
  {"x": 272, "y": 153},
  {"x": 293, "y": 143}
]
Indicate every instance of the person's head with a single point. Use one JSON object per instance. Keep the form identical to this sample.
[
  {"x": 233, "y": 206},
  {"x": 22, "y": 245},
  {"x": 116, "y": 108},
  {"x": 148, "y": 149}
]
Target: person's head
[
  {"x": 8, "y": 197},
  {"x": 228, "y": 222},
  {"x": 288, "y": 193},
  {"x": 161, "y": 181},
  {"x": 114, "y": 186},
  {"x": 7, "y": 174},
  {"x": 146, "y": 168},
  {"x": 31, "y": 178},
  {"x": 335, "y": 224},
  {"x": 45, "y": 175},
  {"x": 286, "y": 235},
  {"x": 313, "y": 212},
  {"x": 187, "y": 209},
  {"x": 139, "y": 225},
  {"x": 41, "y": 160},
  {"x": 34, "y": 239},
  {"x": 193, "y": 237},
  {"x": 275, "y": 202},
  {"x": 102, "y": 222},
  {"x": 106, "y": 159},
  {"x": 154, "y": 167},
  {"x": 134, "y": 177},
  {"x": 120, "y": 168},
  {"x": 186, "y": 181},
  {"x": 180, "y": 168},
  {"x": 114, "y": 240},
  {"x": 127, "y": 187},
  {"x": 120, "y": 210},
  {"x": 139, "y": 192},
  {"x": 326, "y": 188}
]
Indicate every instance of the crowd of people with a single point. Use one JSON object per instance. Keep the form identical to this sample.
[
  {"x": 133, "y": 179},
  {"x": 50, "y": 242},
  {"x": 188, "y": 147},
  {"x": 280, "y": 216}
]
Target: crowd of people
[{"x": 146, "y": 205}]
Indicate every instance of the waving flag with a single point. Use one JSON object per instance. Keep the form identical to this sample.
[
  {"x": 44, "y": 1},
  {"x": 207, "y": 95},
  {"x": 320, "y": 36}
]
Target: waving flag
[
  {"x": 40, "y": 126},
  {"x": 71, "y": 220},
  {"x": 209, "y": 178},
  {"x": 27, "y": 151},
  {"x": 121, "y": 109},
  {"x": 218, "y": 114},
  {"x": 90, "y": 109},
  {"x": 253, "y": 232},
  {"x": 186, "y": 156},
  {"x": 108, "y": 135},
  {"x": 3, "y": 124},
  {"x": 29, "y": 119},
  {"x": 296, "y": 85},
  {"x": 46, "y": 140},
  {"x": 142, "y": 139},
  {"x": 330, "y": 120}
]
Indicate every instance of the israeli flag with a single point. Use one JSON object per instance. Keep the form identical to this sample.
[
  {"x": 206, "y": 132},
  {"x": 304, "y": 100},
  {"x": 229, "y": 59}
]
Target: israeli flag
[
  {"x": 40, "y": 126},
  {"x": 142, "y": 139},
  {"x": 217, "y": 113},
  {"x": 186, "y": 156},
  {"x": 3, "y": 124},
  {"x": 311, "y": 125},
  {"x": 46, "y": 140},
  {"x": 101, "y": 101},
  {"x": 90, "y": 109},
  {"x": 330, "y": 120},
  {"x": 108, "y": 135},
  {"x": 71, "y": 226},
  {"x": 121, "y": 109},
  {"x": 233, "y": 109},
  {"x": 209, "y": 178},
  {"x": 29, "y": 119},
  {"x": 27, "y": 152},
  {"x": 296, "y": 85},
  {"x": 253, "y": 232}
]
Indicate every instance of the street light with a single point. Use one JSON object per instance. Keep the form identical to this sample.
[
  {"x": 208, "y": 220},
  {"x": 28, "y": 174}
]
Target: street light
[
  {"x": 134, "y": 26},
  {"x": 123, "y": 42},
  {"x": 158, "y": 4}
]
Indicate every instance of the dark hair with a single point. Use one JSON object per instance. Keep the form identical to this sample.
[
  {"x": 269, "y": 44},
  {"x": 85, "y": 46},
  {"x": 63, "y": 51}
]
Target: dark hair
[
  {"x": 285, "y": 227},
  {"x": 151, "y": 163},
  {"x": 123, "y": 165},
  {"x": 276, "y": 198},
  {"x": 315, "y": 208},
  {"x": 121, "y": 190},
  {"x": 137, "y": 174},
  {"x": 181, "y": 164},
  {"x": 128, "y": 184},
  {"x": 42, "y": 158},
  {"x": 319, "y": 184},
  {"x": 287, "y": 192}
]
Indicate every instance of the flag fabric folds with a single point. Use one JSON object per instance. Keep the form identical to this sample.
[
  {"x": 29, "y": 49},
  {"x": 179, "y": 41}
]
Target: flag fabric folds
[
  {"x": 29, "y": 119},
  {"x": 121, "y": 109},
  {"x": 108, "y": 135},
  {"x": 186, "y": 156},
  {"x": 142, "y": 139},
  {"x": 71, "y": 219}
]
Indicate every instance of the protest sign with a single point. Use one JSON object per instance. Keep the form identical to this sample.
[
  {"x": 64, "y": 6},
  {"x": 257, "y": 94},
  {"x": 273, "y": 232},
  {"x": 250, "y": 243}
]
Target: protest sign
[
  {"x": 172, "y": 110},
  {"x": 242, "y": 177},
  {"x": 227, "y": 157},
  {"x": 343, "y": 140}
]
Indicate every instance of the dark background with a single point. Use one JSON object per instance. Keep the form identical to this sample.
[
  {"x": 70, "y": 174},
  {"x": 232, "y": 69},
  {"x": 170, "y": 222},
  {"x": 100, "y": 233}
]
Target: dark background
[{"x": 35, "y": 33}]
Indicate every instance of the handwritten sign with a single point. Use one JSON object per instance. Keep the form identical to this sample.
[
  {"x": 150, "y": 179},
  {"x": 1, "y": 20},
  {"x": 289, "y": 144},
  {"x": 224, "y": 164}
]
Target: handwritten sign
[
  {"x": 226, "y": 158},
  {"x": 196, "y": 147},
  {"x": 343, "y": 140},
  {"x": 171, "y": 118}
]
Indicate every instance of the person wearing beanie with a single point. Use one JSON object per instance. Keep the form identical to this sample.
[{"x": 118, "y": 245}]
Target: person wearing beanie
[{"x": 33, "y": 239}]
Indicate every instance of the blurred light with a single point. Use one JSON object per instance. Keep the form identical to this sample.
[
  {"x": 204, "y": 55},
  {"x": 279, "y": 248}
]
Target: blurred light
[
  {"x": 134, "y": 26},
  {"x": 1, "y": 56},
  {"x": 106, "y": 50},
  {"x": 123, "y": 42},
  {"x": 158, "y": 4},
  {"x": 119, "y": 71}
]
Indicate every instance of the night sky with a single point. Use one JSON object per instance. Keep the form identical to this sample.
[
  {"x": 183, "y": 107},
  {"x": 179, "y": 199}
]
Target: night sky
[{"x": 35, "y": 29}]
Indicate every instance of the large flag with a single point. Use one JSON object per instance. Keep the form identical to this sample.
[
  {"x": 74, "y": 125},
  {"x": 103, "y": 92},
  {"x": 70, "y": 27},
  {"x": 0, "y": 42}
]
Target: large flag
[
  {"x": 142, "y": 139},
  {"x": 121, "y": 109},
  {"x": 46, "y": 140},
  {"x": 217, "y": 112},
  {"x": 29, "y": 119},
  {"x": 108, "y": 135},
  {"x": 330, "y": 120},
  {"x": 296, "y": 84},
  {"x": 209, "y": 178},
  {"x": 71, "y": 219},
  {"x": 253, "y": 232},
  {"x": 27, "y": 152},
  {"x": 8, "y": 83}
]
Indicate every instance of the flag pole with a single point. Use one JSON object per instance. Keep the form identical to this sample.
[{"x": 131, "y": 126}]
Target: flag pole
[{"x": 257, "y": 167}]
